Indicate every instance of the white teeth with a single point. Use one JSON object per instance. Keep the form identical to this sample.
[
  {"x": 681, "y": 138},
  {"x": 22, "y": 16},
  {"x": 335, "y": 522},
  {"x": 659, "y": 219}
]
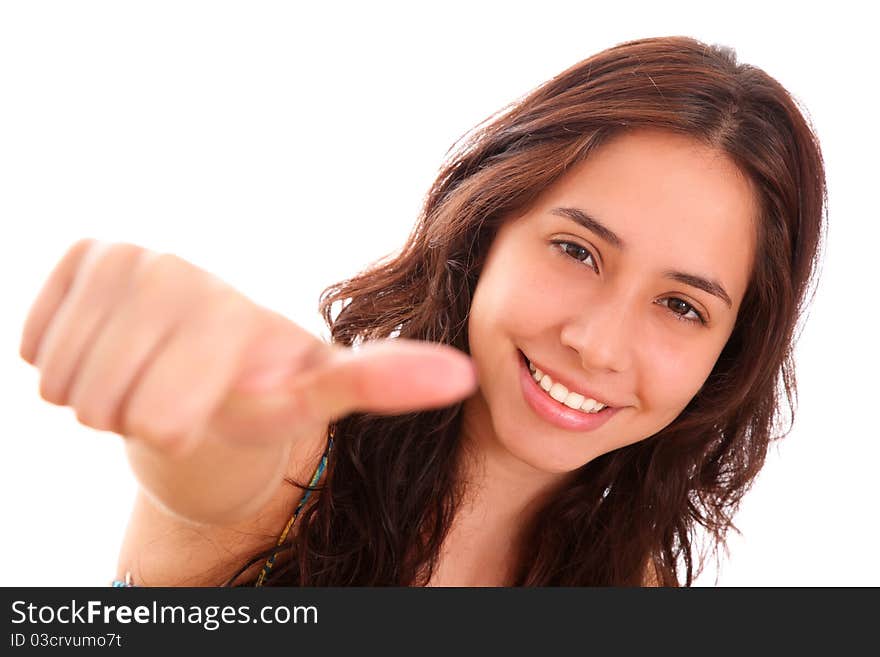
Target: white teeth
[
  {"x": 574, "y": 400},
  {"x": 561, "y": 394}
]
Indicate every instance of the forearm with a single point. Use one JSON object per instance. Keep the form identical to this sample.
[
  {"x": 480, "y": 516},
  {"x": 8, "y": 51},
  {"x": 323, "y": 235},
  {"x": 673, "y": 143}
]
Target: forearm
[{"x": 217, "y": 484}]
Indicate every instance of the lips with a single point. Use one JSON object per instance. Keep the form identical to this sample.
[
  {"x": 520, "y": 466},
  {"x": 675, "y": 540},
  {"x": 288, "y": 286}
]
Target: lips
[
  {"x": 554, "y": 413},
  {"x": 570, "y": 385}
]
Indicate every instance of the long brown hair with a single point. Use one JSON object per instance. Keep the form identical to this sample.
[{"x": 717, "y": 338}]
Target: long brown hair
[{"x": 390, "y": 491}]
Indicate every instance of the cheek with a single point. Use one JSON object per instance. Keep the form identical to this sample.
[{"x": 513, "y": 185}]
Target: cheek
[
  {"x": 673, "y": 374},
  {"x": 512, "y": 296}
]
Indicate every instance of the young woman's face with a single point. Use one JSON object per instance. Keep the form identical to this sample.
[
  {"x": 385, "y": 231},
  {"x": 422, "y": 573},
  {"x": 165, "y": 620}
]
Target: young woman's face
[{"x": 622, "y": 283}]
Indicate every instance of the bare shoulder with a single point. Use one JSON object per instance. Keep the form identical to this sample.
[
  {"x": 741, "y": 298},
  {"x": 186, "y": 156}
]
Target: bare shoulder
[{"x": 162, "y": 549}]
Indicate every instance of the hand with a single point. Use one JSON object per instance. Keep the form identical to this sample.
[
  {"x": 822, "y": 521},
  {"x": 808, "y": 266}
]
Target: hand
[{"x": 149, "y": 346}]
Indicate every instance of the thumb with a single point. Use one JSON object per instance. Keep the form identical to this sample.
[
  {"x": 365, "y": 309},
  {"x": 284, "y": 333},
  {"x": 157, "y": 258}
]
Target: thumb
[{"x": 386, "y": 377}]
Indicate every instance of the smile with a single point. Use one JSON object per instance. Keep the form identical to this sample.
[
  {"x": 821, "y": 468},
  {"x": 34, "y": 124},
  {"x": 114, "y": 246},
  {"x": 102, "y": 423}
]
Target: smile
[
  {"x": 561, "y": 394},
  {"x": 557, "y": 405}
]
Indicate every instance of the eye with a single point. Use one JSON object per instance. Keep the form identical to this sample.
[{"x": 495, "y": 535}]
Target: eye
[
  {"x": 682, "y": 310},
  {"x": 679, "y": 308},
  {"x": 579, "y": 253}
]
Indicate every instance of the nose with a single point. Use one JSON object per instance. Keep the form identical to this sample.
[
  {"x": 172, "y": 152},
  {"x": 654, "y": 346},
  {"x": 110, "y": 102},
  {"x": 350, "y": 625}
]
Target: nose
[{"x": 602, "y": 335}]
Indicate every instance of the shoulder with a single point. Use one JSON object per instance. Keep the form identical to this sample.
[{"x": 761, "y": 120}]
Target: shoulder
[{"x": 162, "y": 549}]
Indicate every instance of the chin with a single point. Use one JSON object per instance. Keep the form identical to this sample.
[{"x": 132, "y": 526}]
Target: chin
[{"x": 539, "y": 447}]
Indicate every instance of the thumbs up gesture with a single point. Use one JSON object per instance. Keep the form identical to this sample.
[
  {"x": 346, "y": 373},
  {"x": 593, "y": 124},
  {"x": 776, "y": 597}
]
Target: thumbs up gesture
[{"x": 151, "y": 347}]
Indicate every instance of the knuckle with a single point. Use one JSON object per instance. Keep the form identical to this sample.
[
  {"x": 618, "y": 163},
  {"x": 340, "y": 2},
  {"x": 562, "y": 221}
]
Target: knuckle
[
  {"x": 132, "y": 427},
  {"x": 94, "y": 413},
  {"x": 110, "y": 258},
  {"x": 91, "y": 417},
  {"x": 221, "y": 313},
  {"x": 50, "y": 390},
  {"x": 81, "y": 246},
  {"x": 135, "y": 421},
  {"x": 160, "y": 430},
  {"x": 29, "y": 346},
  {"x": 223, "y": 304},
  {"x": 171, "y": 439},
  {"x": 158, "y": 270},
  {"x": 165, "y": 283}
]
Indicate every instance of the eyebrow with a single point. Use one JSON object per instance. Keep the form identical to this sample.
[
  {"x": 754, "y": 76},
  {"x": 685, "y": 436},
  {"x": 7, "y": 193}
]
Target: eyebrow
[
  {"x": 594, "y": 225},
  {"x": 590, "y": 223},
  {"x": 710, "y": 286}
]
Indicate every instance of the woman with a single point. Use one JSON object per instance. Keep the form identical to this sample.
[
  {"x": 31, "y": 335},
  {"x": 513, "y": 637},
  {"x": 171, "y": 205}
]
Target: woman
[{"x": 624, "y": 255}]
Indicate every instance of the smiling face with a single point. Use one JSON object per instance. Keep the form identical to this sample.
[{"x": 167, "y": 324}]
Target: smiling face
[{"x": 622, "y": 284}]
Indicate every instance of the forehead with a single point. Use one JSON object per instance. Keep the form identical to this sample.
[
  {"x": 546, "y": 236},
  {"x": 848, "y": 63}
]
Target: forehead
[{"x": 675, "y": 202}]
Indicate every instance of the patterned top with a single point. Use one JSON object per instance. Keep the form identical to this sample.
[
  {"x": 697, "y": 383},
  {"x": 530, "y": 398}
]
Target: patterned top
[{"x": 316, "y": 477}]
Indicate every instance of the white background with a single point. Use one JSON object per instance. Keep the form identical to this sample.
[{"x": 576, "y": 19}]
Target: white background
[{"x": 284, "y": 147}]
